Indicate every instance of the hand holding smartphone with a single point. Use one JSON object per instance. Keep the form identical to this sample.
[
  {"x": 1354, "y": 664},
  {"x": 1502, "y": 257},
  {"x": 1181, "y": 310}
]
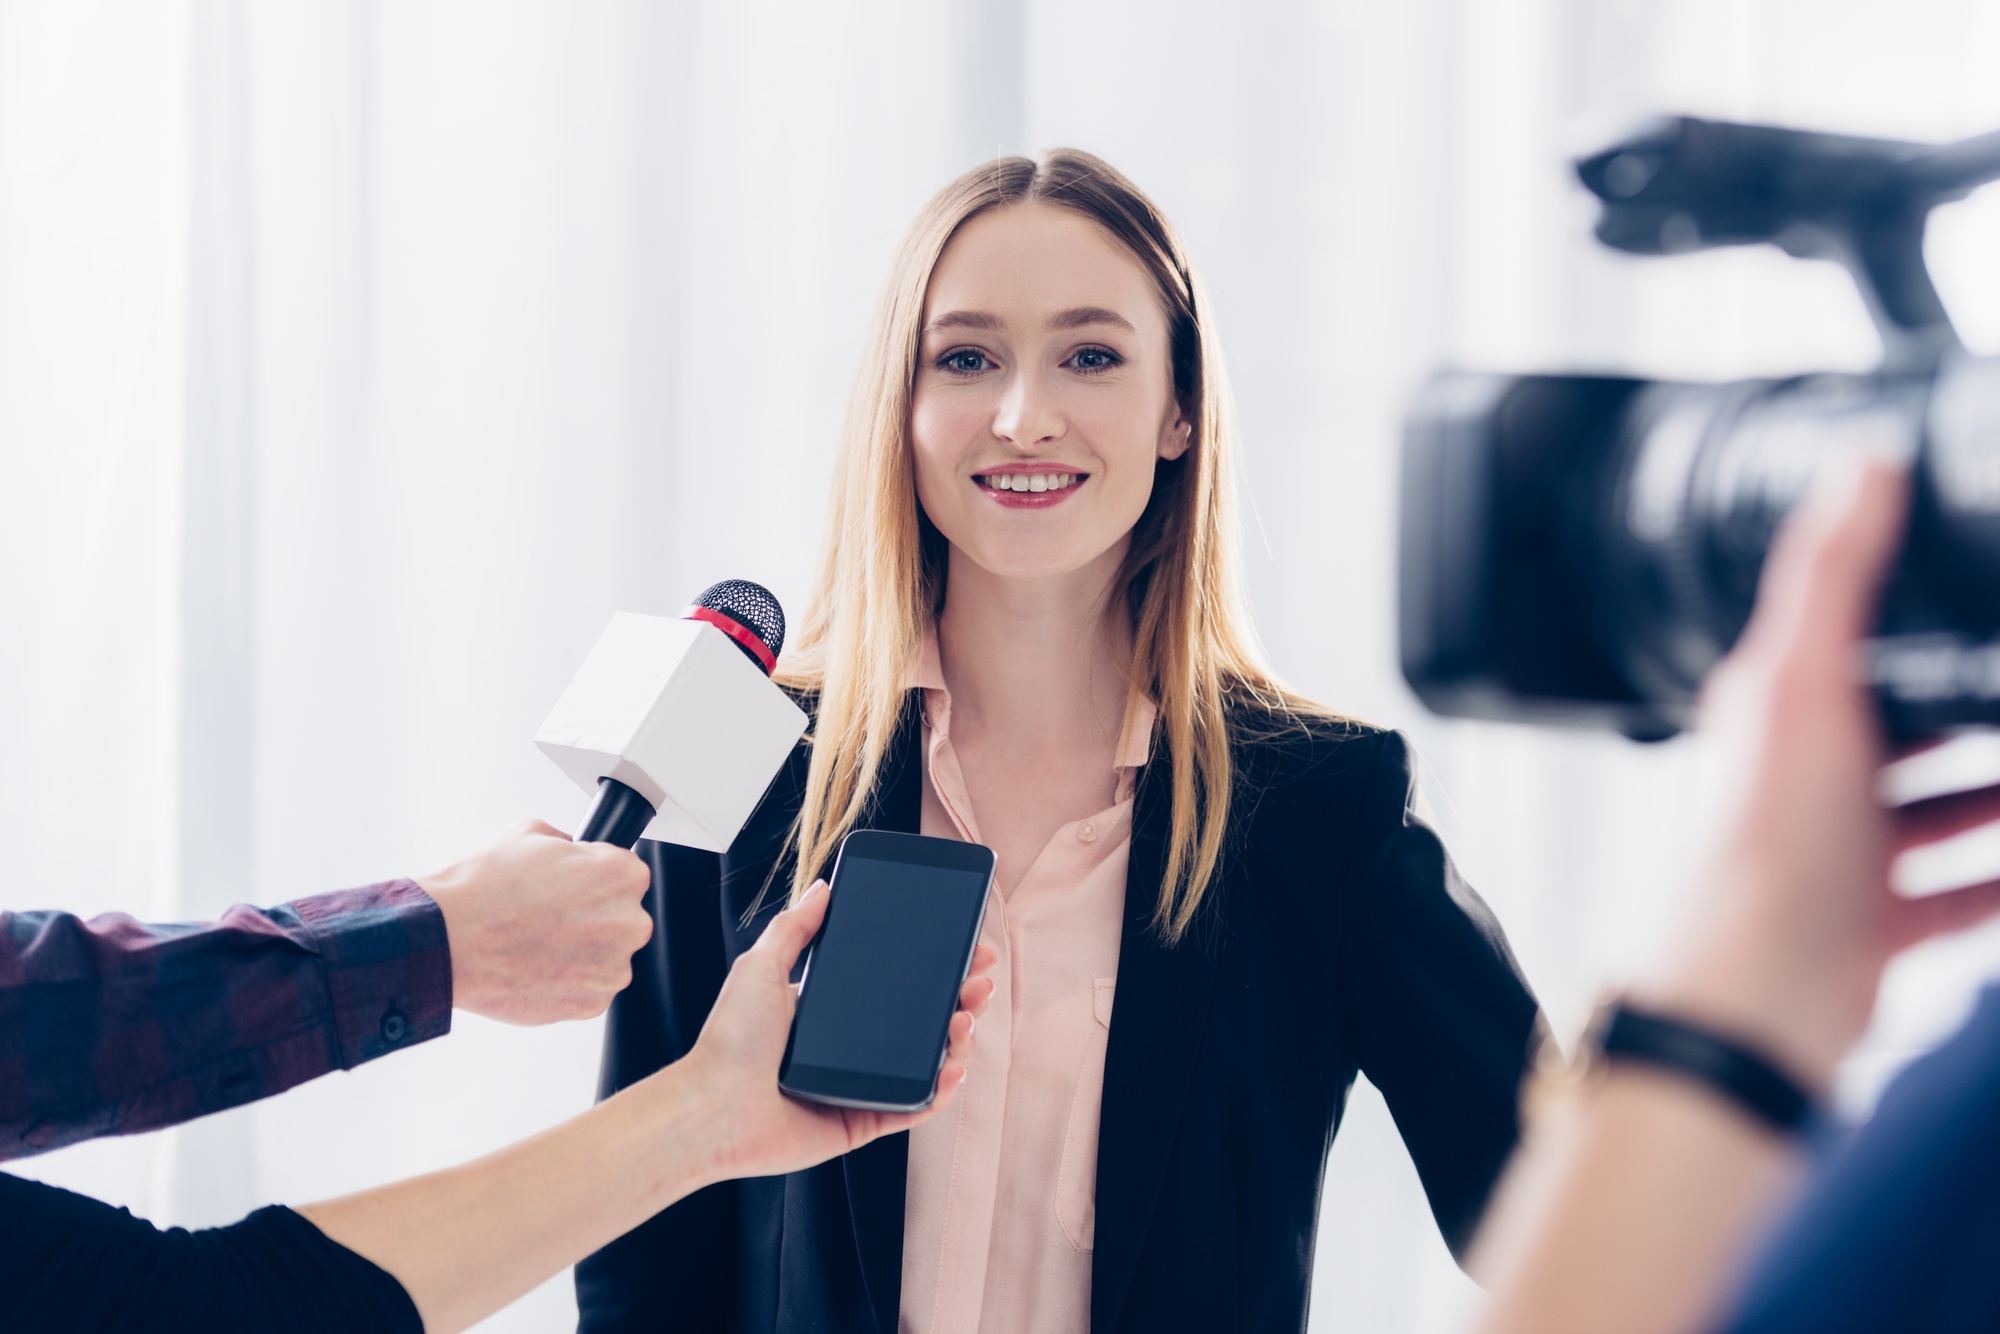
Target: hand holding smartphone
[{"x": 882, "y": 981}]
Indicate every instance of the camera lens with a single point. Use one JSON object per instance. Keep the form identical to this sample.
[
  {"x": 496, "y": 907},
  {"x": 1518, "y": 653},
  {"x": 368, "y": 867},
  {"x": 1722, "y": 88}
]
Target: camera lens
[
  {"x": 1584, "y": 549},
  {"x": 1709, "y": 473}
]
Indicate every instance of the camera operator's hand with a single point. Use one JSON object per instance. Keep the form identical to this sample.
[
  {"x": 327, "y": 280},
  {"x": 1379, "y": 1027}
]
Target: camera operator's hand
[
  {"x": 1795, "y": 919},
  {"x": 541, "y": 929},
  {"x": 758, "y": 1130},
  {"x": 1631, "y": 1205}
]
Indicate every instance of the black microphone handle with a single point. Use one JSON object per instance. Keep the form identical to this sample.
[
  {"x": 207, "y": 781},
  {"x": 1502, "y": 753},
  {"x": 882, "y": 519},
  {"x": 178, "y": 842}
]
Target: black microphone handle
[{"x": 619, "y": 815}]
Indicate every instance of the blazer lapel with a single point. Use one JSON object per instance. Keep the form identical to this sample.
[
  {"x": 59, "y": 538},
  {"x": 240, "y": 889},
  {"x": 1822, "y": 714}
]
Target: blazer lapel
[
  {"x": 877, "y": 1173},
  {"x": 1156, "y": 1026}
]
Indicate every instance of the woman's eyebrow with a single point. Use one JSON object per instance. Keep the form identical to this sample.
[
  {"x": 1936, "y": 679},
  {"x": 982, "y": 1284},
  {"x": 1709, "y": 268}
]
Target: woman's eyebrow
[
  {"x": 964, "y": 319},
  {"x": 1074, "y": 318},
  {"x": 1082, "y": 315}
]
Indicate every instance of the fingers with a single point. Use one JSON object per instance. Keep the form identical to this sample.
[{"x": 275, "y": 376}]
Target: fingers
[
  {"x": 615, "y": 881},
  {"x": 1827, "y": 564},
  {"x": 1863, "y": 551},
  {"x": 545, "y": 829},
  {"x": 598, "y": 1000},
  {"x": 793, "y": 929},
  {"x": 1935, "y": 819},
  {"x": 972, "y": 997},
  {"x": 983, "y": 960},
  {"x": 950, "y": 1080},
  {"x": 625, "y": 872},
  {"x": 637, "y": 927},
  {"x": 1954, "y": 910},
  {"x": 960, "y": 1033}
]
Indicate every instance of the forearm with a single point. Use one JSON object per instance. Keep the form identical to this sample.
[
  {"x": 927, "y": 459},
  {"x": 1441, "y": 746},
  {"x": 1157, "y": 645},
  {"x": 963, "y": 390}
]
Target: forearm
[
  {"x": 466, "y": 1241},
  {"x": 1630, "y": 1210},
  {"x": 162, "y": 1024}
]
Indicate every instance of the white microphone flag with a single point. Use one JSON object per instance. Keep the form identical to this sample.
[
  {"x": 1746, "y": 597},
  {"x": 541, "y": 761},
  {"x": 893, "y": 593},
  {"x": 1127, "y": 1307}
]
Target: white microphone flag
[{"x": 675, "y": 711}]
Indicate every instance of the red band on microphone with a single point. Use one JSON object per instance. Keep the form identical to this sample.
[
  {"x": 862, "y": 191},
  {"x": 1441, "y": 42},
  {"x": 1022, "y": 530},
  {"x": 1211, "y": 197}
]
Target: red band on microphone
[{"x": 742, "y": 635}]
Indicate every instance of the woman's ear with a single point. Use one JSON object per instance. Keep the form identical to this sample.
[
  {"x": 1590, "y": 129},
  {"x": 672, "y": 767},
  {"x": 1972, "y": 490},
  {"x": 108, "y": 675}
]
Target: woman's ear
[{"x": 1176, "y": 436}]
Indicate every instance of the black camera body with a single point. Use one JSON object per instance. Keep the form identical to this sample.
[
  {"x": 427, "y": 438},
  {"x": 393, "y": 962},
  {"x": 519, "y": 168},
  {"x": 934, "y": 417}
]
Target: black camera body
[{"x": 1581, "y": 549}]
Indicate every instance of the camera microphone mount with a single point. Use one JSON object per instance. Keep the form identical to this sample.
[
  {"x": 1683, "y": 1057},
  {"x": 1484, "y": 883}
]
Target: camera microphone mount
[{"x": 1680, "y": 184}]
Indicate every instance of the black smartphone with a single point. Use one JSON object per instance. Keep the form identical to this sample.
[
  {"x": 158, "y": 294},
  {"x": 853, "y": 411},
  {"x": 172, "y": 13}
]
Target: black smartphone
[{"x": 882, "y": 979}]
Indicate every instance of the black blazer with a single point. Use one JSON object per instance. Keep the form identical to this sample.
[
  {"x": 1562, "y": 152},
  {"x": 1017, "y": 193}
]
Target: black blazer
[{"x": 1337, "y": 938}]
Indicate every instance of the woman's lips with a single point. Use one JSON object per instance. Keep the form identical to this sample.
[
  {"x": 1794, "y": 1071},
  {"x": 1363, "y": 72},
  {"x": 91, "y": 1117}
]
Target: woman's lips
[{"x": 1032, "y": 488}]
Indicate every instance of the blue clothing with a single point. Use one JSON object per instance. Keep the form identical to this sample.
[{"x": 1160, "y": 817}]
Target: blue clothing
[{"x": 1900, "y": 1230}]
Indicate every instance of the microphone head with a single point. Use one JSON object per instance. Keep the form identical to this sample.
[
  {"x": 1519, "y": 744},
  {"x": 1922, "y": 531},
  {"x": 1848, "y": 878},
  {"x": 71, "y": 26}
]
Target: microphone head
[{"x": 748, "y": 614}]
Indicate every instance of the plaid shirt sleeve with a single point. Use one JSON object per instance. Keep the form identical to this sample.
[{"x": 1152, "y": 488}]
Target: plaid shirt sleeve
[{"x": 112, "y": 1026}]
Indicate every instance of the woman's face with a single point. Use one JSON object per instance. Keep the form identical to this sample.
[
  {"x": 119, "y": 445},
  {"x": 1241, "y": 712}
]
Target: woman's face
[{"x": 1044, "y": 392}]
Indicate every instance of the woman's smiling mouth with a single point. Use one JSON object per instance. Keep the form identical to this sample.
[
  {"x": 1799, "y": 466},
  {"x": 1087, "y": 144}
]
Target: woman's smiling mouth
[{"x": 1036, "y": 486}]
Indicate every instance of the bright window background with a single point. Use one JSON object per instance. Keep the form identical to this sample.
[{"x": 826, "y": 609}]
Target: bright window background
[{"x": 358, "y": 359}]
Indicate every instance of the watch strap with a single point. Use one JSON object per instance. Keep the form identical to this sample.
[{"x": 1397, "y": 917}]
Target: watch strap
[{"x": 1722, "y": 1064}]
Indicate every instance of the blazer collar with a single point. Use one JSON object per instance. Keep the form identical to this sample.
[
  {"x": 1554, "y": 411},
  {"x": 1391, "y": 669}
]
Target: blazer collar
[
  {"x": 877, "y": 1173},
  {"x": 1156, "y": 1034}
]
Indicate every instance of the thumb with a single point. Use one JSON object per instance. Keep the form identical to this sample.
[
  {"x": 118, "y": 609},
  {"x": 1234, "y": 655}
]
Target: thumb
[
  {"x": 793, "y": 929},
  {"x": 1829, "y": 561}
]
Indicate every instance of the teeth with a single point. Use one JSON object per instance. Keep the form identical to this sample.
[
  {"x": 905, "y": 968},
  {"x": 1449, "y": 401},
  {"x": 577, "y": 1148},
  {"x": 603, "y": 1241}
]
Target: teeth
[{"x": 1031, "y": 482}]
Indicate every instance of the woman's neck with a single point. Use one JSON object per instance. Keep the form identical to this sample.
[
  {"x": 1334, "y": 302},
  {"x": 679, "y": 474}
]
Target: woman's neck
[{"x": 1035, "y": 664}]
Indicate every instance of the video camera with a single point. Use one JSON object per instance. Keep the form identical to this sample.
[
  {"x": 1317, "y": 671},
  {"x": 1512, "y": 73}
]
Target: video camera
[{"x": 1582, "y": 549}]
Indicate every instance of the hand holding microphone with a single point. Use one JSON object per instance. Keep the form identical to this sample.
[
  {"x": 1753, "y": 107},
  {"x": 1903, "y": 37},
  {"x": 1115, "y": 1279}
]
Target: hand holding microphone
[
  {"x": 541, "y": 929},
  {"x": 676, "y": 727}
]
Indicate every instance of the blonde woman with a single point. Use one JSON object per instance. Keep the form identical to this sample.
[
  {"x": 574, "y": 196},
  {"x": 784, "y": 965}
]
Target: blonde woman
[{"x": 1213, "y": 904}]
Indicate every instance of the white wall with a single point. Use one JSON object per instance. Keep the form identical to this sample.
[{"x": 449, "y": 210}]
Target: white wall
[{"x": 357, "y": 359}]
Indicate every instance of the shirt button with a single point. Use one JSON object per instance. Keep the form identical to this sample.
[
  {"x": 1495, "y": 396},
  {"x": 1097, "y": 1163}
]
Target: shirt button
[
  {"x": 394, "y": 1027},
  {"x": 1087, "y": 831}
]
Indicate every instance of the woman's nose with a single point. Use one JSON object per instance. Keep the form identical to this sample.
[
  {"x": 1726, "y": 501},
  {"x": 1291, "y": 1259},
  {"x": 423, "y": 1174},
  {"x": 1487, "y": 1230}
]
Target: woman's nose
[{"x": 1027, "y": 417}]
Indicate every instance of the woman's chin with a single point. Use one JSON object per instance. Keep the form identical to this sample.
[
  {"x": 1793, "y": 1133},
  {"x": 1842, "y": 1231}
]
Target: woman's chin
[{"x": 1039, "y": 564}]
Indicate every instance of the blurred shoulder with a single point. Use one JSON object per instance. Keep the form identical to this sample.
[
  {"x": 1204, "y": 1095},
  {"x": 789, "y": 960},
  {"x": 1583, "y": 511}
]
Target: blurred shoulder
[{"x": 1307, "y": 749}]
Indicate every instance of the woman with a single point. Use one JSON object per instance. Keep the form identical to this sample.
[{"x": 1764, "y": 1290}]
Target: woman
[{"x": 1027, "y": 633}]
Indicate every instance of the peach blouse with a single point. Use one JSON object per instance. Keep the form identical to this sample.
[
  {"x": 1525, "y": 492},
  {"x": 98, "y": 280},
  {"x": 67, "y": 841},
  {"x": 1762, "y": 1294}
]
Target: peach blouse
[{"x": 1000, "y": 1206}]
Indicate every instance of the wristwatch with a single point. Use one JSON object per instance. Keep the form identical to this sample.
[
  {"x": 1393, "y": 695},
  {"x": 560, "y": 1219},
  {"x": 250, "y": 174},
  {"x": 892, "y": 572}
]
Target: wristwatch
[{"x": 1620, "y": 1032}]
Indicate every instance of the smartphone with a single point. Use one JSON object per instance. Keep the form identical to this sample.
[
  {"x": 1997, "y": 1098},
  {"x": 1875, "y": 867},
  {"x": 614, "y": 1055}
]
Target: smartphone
[{"x": 882, "y": 980}]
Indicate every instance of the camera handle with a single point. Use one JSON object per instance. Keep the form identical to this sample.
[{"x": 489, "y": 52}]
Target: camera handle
[{"x": 1682, "y": 184}]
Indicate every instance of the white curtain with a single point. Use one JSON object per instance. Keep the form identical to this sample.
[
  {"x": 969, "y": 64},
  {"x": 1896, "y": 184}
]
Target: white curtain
[{"x": 357, "y": 360}]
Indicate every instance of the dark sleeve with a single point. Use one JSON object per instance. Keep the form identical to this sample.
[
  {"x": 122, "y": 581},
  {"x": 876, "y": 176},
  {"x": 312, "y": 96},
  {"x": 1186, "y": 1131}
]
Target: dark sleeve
[
  {"x": 675, "y": 1266},
  {"x": 1433, "y": 1005},
  {"x": 76, "y": 1265},
  {"x": 111, "y": 1026},
  {"x": 1900, "y": 1229}
]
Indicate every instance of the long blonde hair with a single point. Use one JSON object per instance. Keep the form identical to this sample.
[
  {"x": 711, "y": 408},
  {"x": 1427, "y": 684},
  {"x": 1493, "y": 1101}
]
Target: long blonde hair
[{"x": 882, "y": 571}]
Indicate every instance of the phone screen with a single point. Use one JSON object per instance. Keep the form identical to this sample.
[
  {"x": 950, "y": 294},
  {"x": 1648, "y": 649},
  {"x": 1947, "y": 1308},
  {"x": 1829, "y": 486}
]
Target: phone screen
[{"x": 883, "y": 979}]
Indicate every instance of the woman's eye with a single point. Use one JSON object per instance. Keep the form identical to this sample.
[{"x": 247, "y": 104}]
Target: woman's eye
[
  {"x": 964, "y": 361},
  {"x": 1095, "y": 359}
]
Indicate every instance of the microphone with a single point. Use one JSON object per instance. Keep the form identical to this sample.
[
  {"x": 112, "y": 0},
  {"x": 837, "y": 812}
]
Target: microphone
[{"x": 674, "y": 723}]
